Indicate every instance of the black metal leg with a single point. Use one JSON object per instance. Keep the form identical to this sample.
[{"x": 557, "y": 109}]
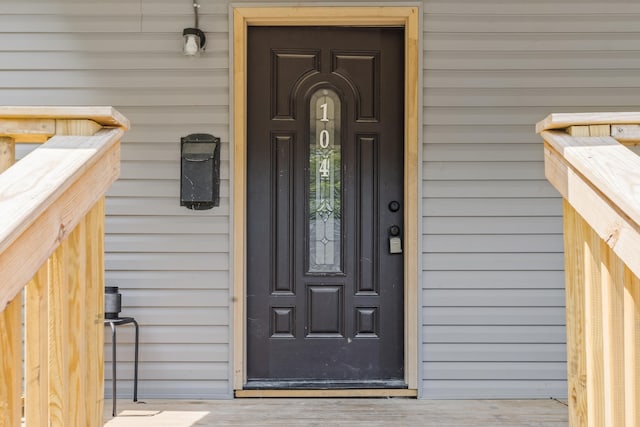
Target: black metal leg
[
  {"x": 113, "y": 367},
  {"x": 114, "y": 323},
  {"x": 135, "y": 368}
]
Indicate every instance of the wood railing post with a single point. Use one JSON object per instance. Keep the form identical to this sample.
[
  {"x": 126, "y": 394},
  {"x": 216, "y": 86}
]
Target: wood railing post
[
  {"x": 70, "y": 288},
  {"x": 52, "y": 245},
  {"x": 10, "y": 332},
  {"x": 598, "y": 178}
]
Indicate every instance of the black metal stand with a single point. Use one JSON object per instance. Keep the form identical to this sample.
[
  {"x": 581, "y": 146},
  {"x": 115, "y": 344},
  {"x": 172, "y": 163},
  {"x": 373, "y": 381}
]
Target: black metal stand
[{"x": 113, "y": 323}]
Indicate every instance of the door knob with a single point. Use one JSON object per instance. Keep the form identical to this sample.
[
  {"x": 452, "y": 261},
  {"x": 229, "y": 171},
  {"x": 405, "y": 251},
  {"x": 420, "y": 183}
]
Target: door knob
[{"x": 394, "y": 206}]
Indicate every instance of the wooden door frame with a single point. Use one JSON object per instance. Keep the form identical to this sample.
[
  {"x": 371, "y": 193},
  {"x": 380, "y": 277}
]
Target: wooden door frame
[{"x": 403, "y": 16}]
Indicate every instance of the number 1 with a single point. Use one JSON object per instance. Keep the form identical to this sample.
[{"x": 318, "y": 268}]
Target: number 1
[{"x": 324, "y": 112}]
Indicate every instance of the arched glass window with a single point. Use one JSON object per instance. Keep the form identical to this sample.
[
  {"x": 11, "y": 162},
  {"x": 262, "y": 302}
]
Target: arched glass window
[{"x": 325, "y": 178}]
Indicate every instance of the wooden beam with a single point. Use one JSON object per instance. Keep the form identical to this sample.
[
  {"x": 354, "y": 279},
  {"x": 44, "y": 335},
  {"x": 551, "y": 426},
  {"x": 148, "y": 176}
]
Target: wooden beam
[
  {"x": 578, "y": 130},
  {"x": 565, "y": 120},
  {"x": 105, "y": 116},
  {"x": 77, "y": 127},
  {"x": 27, "y": 130}
]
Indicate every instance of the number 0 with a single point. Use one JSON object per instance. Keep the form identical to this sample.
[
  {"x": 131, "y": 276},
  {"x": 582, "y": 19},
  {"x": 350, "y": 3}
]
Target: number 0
[{"x": 324, "y": 138}]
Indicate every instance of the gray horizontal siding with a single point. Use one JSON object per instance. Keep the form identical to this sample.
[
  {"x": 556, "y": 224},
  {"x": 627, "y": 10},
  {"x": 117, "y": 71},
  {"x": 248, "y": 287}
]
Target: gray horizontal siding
[
  {"x": 171, "y": 264},
  {"x": 493, "y": 298}
]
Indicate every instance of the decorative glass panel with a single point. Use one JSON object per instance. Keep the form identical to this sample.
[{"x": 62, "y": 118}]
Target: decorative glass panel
[{"x": 325, "y": 189}]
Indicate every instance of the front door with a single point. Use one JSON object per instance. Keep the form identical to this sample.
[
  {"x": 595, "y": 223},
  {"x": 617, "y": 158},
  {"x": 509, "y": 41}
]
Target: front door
[{"x": 325, "y": 125}]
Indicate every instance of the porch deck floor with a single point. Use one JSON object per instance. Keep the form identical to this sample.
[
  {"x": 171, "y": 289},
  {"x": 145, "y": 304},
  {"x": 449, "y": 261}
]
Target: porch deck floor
[{"x": 338, "y": 412}]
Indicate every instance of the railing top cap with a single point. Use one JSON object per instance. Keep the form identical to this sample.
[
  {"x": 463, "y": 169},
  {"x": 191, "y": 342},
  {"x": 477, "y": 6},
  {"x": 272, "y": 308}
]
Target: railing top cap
[
  {"x": 564, "y": 120},
  {"x": 106, "y": 116}
]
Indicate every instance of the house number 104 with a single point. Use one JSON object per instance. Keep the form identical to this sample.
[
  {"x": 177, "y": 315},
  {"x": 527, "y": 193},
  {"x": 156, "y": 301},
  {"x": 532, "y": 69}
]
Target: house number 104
[{"x": 325, "y": 163}]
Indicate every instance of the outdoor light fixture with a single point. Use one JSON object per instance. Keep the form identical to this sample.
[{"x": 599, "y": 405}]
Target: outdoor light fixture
[{"x": 194, "y": 39}]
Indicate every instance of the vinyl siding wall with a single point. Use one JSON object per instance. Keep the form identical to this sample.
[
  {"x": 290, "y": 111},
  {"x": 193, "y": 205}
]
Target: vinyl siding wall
[
  {"x": 172, "y": 264},
  {"x": 492, "y": 281},
  {"x": 493, "y": 297}
]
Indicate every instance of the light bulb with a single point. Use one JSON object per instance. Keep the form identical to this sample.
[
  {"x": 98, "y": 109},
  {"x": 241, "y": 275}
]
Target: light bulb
[{"x": 191, "y": 43}]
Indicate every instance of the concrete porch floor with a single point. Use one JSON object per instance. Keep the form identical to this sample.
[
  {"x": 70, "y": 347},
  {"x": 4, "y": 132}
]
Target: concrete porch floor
[{"x": 338, "y": 412}]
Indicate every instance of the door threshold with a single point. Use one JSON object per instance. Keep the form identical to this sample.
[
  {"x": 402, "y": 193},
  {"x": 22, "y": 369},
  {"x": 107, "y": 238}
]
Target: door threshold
[{"x": 360, "y": 392}]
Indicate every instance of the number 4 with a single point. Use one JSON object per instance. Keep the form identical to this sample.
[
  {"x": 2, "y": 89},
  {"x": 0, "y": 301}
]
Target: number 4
[{"x": 324, "y": 168}]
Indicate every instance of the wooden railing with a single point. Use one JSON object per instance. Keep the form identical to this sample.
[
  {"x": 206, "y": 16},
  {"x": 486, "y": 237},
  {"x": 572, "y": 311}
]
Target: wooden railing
[
  {"x": 52, "y": 245},
  {"x": 599, "y": 178}
]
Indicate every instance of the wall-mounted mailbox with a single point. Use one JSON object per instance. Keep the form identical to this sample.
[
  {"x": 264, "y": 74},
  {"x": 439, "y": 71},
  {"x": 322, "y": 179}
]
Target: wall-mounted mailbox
[{"x": 200, "y": 171}]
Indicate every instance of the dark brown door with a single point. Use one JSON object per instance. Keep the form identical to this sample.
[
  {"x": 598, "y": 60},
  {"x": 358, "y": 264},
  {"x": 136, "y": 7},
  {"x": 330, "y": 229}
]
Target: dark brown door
[{"x": 325, "y": 207}]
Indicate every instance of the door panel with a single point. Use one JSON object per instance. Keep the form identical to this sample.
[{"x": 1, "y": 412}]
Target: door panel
[{"x": 324, "y": 161}]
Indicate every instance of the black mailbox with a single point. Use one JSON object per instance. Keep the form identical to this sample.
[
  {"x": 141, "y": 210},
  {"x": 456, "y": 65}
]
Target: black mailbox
[{"x": 200, "y": 171}]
